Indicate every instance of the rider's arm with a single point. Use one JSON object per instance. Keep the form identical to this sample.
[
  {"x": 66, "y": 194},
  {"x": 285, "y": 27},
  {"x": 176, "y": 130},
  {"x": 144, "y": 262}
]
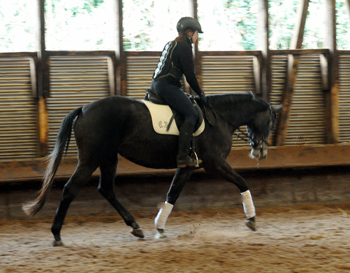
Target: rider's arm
[{"x": 187, "y": 66}]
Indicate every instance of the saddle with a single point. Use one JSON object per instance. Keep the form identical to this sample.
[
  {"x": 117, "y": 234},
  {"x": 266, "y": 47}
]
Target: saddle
[{"x": 153, "y": 97}]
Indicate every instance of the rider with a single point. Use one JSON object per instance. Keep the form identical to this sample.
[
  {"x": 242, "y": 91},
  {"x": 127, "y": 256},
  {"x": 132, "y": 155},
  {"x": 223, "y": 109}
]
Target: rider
[{"x": 176, "y": 60}]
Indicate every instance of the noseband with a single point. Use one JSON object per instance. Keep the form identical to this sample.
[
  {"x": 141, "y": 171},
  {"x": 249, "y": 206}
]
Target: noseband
[{"x": 249, "y": 140}]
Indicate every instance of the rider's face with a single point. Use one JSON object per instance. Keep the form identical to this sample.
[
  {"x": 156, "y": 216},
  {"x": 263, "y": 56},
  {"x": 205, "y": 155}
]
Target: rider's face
[{"x": 195, "y": 37}]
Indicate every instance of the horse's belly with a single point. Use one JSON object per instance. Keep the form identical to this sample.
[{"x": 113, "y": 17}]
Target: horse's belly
[{"x": 151, "y": 155}]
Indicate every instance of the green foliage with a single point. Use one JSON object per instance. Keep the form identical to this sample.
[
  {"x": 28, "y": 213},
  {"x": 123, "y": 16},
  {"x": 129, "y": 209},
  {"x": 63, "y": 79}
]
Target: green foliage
[
  {"x": 228, "y": 24},
  {"x": 75, "y": 7},
  {"x": 247, "y": 26},
  {"x": 18, "y": 28},
  {"x": 149, "y": 24},
  {"x": 342, "y": 27},
  {"x": 282, "y": 18},
  {"x": 80, "y": 24}
]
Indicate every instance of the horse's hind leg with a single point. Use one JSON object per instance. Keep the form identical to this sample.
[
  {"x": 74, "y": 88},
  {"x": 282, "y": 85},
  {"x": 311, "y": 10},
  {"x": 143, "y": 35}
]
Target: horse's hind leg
[
  {"x": 106, "y": 188},
  {"x": 180, "y": 178},
  {"x": 70, "y": 191}
]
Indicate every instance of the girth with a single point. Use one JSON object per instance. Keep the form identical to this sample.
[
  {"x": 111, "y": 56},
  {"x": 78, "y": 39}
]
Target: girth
[{"x": 155, "y": 98}]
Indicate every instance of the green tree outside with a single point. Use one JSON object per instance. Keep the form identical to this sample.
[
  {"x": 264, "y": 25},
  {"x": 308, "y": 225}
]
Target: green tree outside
[{"x": 149, "y": 24}]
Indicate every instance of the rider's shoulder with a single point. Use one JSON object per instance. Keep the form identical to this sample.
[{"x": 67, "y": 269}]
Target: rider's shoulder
[{"x": 183, "y": 44}]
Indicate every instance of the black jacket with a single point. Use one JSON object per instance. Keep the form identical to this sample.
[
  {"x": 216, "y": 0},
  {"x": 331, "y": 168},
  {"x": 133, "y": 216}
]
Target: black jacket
[{"x": 179, "y": 55}]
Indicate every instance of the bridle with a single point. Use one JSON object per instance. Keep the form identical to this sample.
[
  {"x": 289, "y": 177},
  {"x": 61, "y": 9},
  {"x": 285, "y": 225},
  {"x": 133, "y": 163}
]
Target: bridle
[
  {"x": 249, "y": 140},
  {"x": 245, "y": 136}
]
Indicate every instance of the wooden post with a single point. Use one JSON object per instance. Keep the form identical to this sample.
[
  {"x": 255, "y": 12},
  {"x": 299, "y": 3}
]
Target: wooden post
[
  {"x": 43, "y": 85},
  {"x": 263, "y": 45},
  {"x": 332, "y": 96},
  {"x": 43, "y": 74},
  {"x": 121, "y": 77},
  {"x": 292, "y": 69},
  {"x": 197, "y": 56}
]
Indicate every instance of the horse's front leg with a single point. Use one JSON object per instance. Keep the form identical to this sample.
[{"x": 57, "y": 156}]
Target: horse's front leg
[
  {"x": 225, "y": 170},
  {"x": 180, "y": 178}
]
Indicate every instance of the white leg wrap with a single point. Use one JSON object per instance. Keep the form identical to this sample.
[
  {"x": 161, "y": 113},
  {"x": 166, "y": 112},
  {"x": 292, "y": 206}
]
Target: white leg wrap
[
  {"x": 163, "y": 215},
  {"x": 248, "y": 204}
]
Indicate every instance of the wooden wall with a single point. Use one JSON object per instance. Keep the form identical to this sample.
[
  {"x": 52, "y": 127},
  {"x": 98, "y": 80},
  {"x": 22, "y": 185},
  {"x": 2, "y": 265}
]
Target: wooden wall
[{"x": 58, "y": 81}]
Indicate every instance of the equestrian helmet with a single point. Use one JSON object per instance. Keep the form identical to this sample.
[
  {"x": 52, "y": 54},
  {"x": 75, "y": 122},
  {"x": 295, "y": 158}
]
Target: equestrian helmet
[{"x": 188, "y": 22}]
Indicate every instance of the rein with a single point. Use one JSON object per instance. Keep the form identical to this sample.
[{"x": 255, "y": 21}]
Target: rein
[{"x": 245, "y": 136}]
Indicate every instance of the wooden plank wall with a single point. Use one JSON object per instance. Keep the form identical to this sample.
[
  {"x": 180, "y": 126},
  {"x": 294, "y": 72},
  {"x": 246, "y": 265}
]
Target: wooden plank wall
[{"x": 262, "y": 71}]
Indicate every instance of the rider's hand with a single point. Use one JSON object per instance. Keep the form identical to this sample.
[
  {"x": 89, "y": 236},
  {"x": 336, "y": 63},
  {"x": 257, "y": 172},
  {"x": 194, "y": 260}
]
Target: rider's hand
[{"x": 203, "y": 98}]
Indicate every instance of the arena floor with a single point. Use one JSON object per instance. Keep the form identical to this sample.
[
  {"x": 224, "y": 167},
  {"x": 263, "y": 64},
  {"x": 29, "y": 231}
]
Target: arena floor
[
  {"x": 308, "y": 238},
  {"x": 302, "y": 217}
]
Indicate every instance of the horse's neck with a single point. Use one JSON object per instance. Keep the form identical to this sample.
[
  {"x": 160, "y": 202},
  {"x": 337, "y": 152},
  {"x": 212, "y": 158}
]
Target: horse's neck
[{"x": 238, "y": 114}]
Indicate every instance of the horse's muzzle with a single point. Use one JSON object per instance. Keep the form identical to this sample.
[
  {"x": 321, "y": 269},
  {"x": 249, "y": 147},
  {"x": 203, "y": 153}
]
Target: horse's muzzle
[{"x": 259, "y": 153}]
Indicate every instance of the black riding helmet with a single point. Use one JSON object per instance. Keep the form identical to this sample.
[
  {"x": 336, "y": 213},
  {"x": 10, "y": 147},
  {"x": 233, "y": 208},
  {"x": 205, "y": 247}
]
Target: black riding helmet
[{"x": 188, "y": 22}]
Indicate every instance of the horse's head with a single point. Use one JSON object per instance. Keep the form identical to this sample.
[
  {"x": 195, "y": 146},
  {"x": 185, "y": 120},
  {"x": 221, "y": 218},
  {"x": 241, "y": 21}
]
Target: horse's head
[{"x": 259, "y": 131}]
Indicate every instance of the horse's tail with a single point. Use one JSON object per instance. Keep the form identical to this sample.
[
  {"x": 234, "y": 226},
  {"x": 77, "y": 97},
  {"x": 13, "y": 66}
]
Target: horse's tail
[{"x": 62, "y": 141}]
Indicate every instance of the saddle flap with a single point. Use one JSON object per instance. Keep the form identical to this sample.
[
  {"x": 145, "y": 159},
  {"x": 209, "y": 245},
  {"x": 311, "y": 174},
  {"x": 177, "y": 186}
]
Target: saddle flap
[
  {"x": 164, "y": 122},
  {"x": 153, "y": 97}
]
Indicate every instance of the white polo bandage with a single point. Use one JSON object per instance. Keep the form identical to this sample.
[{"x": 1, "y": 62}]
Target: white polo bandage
[
  {"x": 248, "y": 204},
  {"x": 163, "y": 215}
]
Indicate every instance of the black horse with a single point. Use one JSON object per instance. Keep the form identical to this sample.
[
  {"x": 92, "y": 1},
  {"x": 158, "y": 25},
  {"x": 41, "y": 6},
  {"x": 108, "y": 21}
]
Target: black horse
[{"x": 120, "y": 125}]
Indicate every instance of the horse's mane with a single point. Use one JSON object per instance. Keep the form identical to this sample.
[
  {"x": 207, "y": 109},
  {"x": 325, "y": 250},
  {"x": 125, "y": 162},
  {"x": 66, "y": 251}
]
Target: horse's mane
[{"x": 227, "y": 100}]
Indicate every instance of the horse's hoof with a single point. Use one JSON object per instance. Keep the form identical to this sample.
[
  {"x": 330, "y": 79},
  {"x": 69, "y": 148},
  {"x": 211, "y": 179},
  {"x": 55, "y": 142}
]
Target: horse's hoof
[
  {"x": 137, "y": 232},
  {"x": 57, "y": 243},
  {"x": 160, "y": 234},
  {"x": 251, "y": 223}
]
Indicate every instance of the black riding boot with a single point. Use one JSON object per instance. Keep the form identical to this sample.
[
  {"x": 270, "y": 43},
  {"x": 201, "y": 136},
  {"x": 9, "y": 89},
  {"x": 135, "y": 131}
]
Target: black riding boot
[{"x": 185, "y": 138}]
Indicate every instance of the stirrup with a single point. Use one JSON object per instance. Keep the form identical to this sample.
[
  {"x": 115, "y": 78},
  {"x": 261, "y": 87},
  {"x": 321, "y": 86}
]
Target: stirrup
[
  {"x": 188, "y": 161},
  {"x": 198, "y": 161}
]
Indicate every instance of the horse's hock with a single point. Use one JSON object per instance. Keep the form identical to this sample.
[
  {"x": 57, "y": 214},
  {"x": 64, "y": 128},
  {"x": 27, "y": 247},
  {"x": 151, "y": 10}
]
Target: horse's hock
[{"x": 143, "y": 193}]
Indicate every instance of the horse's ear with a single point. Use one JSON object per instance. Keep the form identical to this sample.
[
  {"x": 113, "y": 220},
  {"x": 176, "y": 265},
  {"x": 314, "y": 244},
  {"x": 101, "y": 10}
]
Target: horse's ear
[
  {"x": 252, "y": 94},
  {"x": 277, "y": 108}
]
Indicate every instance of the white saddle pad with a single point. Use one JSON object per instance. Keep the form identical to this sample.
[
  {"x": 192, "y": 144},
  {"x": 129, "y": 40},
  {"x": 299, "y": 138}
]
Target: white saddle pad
[{"x": 161, "y": 116}]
